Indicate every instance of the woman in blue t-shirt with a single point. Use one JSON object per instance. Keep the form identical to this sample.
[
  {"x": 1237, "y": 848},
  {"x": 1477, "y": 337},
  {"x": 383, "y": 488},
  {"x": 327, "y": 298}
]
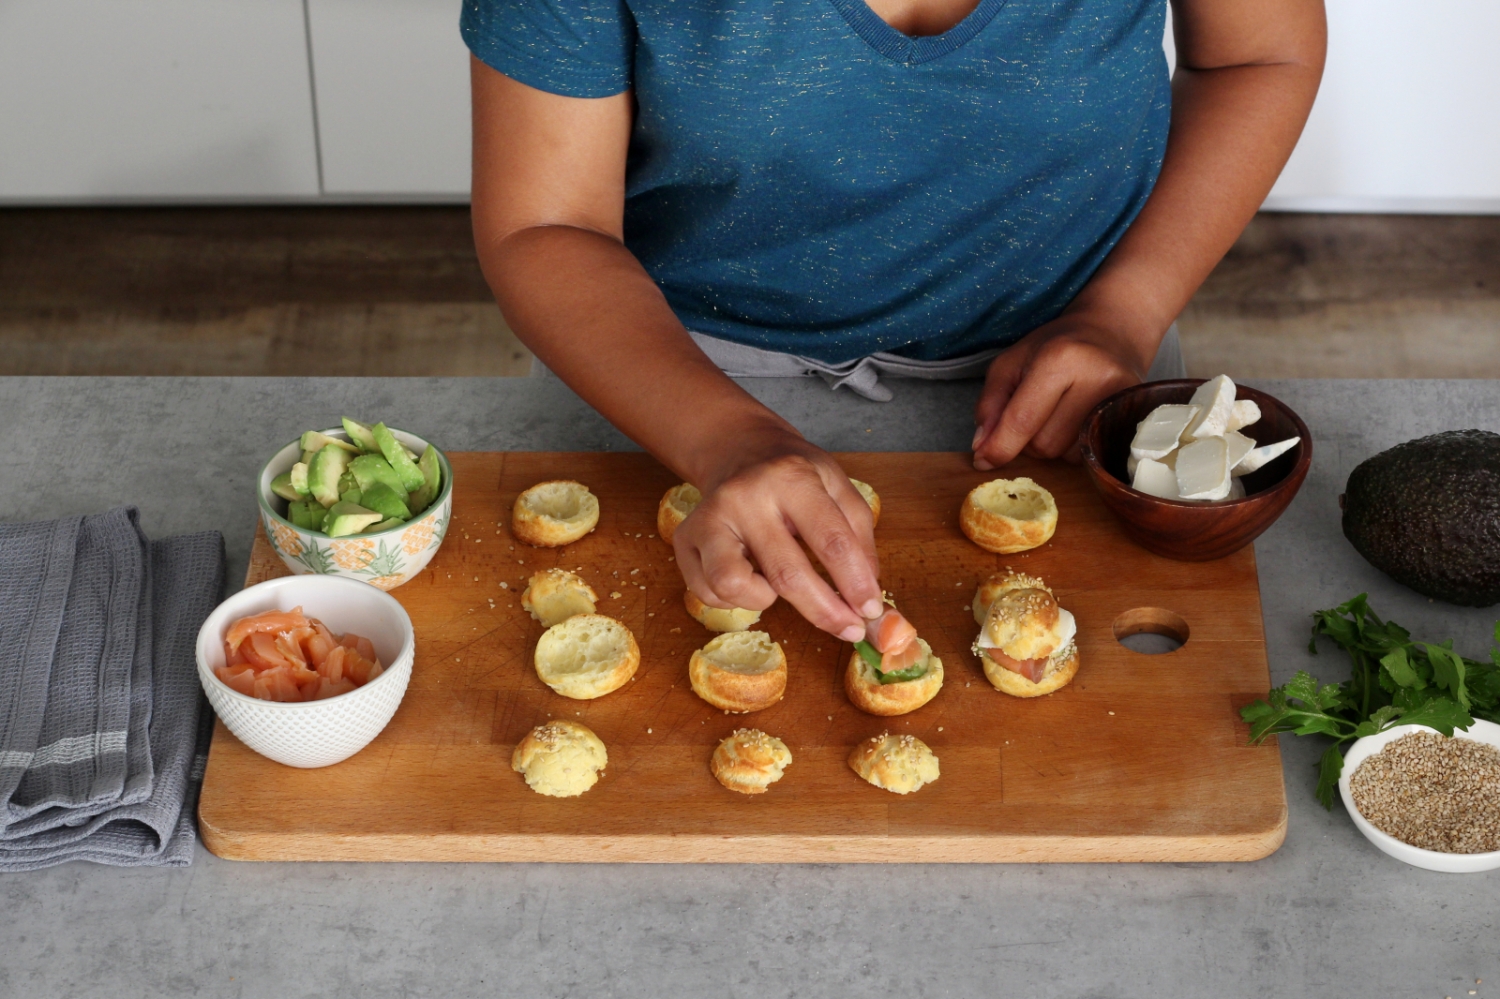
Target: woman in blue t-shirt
[{"x": 668, "y": 189}]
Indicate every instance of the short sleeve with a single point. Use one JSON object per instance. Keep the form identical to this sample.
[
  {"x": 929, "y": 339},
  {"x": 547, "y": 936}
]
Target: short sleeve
[{"x": 576, "y": 48}]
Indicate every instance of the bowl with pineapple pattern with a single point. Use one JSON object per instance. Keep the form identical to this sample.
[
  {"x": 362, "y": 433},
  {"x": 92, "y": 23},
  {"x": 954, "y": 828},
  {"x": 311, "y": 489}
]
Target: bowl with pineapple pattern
[{"x": 384, "y": 554}]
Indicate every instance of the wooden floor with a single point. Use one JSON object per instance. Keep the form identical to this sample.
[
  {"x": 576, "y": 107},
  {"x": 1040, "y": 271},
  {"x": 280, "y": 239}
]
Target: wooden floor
[{"x": 397, "y": 291}]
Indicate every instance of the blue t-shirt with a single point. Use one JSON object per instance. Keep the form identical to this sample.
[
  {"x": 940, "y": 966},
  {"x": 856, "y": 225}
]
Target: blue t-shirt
[{"x": 804, "y": 178}]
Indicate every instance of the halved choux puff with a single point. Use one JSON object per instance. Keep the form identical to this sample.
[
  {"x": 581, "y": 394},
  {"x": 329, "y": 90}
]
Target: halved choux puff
[
  {"x": 550, "y": 514},
  {"x": 750, "y": 761},
  {"x": 1008, "y": 515},
  {"x": 719, "y": 618},
  {"x": 739, "y": 671},
  {"x": 554, "y": 595},
  {"x": 871, "y": 497},
  {"x": 675, "y": 505},
  {"x": 587, "y": 656}
]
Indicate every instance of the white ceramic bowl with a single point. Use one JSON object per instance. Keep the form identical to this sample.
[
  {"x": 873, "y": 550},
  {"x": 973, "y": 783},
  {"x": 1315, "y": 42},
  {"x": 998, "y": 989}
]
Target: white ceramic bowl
[
  {"x": 385, "y": 558},
  {"x": 1432, "y": 860},
  {"x": 313, "y": 733}
]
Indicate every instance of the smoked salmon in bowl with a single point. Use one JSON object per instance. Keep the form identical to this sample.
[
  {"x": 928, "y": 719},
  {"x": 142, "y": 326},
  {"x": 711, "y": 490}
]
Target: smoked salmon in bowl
[{"x": 354, "y": 689}]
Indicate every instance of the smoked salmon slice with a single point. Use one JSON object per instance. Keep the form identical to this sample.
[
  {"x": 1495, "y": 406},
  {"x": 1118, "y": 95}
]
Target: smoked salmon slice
[
  {"x": 271, "y": 622},
  {"x": 1031, "y": 669},
  {"x": 287, "y": 656},
  {"x": 895, "y": 638}
]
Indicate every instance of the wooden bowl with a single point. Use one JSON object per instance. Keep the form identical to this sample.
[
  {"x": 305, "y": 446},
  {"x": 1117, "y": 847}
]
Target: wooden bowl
[{"x": 1192, "y": 532}]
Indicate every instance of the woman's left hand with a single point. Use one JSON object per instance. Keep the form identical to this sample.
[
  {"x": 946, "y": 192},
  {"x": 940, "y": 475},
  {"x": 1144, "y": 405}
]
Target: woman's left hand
[{"x": 1039, "y": 390}]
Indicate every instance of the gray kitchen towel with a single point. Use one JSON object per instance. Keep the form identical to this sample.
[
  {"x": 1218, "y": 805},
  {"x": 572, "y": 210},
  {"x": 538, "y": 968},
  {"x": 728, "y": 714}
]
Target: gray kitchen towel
[
  {"x": 150, "y": 821},
  {"x": 36, "y": 572},
  {"x": 80, "y": 764}
]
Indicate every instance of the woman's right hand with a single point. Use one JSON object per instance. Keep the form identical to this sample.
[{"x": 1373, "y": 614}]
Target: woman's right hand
[{"x": 739, "y": 547}]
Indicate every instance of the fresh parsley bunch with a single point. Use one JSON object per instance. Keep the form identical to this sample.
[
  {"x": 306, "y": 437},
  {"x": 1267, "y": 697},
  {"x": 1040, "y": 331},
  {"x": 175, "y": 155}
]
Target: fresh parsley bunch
[{"x": 1395, "y": 681}]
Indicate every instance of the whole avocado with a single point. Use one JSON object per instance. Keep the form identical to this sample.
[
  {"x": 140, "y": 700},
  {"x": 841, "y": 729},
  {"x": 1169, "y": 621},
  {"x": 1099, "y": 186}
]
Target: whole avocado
[{"x": 1427, "y": 513}]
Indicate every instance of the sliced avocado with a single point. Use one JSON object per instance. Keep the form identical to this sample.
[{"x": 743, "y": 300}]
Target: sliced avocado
[
  {"x": 296, "y": 512},
  {"x": 411, "y": 476},
  {"x": 354, "y": 496},
  {"x": 369, "y": 469},
  {"x": 384, "y": 499},
  {"x": 307, "y": 456},
  {"x": 384, "y": 525},
  {"x": 282, "y": 486},
  {"x": 349, "y": 518},
  {"x": 324, "y": 472},
  {"x": 317, "y": 515},
  {"x": 315, "y": 441},
  {"x": 432, "y": 470},
  {"x": 360, "y": 434},
  {"x": 298, "y": 477}
]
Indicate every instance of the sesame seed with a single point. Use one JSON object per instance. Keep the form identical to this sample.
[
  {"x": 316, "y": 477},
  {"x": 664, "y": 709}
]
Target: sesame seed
[
  {"x": 648, "y": 731},
  {"x": 1433, "y": 792},
  {"x": 615, "y": 595},
  {"x": 504, "y": 585}
]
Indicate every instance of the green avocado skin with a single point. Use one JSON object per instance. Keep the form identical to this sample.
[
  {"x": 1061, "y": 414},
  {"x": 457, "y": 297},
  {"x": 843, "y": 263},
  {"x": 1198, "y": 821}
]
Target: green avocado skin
[{"x": 1427, "y": 514}]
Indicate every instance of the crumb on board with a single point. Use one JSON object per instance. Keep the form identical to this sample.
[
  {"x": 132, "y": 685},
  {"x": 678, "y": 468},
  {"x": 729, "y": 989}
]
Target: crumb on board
[
  {"x": 615, "y": 595},
  {"x": 504, "y": 585}
]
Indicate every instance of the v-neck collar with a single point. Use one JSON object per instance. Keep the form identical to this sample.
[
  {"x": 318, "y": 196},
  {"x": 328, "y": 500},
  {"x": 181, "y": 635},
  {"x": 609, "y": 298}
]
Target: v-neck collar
[{"x": 904, "y": 48}]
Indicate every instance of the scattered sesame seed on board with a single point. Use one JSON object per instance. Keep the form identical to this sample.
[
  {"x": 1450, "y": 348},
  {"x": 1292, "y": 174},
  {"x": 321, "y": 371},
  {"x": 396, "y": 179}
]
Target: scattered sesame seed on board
[
  {"x": 504, "y": 585},
  {"x": 615, "y": 595}
]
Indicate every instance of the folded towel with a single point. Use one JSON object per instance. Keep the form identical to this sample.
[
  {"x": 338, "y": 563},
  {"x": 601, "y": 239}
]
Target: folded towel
[{"x": 110, "y": 742}]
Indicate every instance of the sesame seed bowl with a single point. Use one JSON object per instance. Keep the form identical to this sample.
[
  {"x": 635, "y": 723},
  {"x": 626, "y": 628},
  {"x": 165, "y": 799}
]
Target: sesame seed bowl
[{"x": 1431, "y": 860}]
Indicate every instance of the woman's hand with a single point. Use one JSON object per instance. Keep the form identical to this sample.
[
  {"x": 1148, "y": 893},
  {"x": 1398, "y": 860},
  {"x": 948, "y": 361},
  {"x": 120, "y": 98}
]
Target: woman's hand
[
  {"x": 739, "y": 547},
  {"x": 1039, "y": 390}
]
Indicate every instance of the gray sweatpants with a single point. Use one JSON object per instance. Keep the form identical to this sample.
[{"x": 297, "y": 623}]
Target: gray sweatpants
[{"x": 862, "y": 376}]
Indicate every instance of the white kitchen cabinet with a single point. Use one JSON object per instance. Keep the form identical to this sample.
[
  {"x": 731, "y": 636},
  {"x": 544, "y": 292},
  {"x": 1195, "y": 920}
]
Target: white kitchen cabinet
[
  {"x": 392, "y": 81},
  {"x": 104, "y": 100},
  {"x": 1408, "y": 117}
]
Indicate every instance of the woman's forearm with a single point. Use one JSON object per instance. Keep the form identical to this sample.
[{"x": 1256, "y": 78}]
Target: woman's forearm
[
  {"x": 1232, "y": 130},
  {"x": 584, "y": 305}
]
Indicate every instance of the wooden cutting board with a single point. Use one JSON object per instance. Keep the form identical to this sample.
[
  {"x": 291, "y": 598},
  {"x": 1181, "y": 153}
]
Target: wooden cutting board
[{"x": 1141, "y": 758}]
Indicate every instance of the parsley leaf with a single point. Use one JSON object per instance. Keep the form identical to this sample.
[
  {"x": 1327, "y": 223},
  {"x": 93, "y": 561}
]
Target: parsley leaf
[{"x": 1394, "y": 681}]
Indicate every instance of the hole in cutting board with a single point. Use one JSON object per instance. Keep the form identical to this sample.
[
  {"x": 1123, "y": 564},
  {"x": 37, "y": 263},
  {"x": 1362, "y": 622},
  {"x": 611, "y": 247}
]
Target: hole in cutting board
[{"x": 1151, "y": 630}]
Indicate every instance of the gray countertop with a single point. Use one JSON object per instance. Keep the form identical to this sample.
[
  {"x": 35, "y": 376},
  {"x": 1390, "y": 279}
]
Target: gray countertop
[{"x": 1326, "y": 914}]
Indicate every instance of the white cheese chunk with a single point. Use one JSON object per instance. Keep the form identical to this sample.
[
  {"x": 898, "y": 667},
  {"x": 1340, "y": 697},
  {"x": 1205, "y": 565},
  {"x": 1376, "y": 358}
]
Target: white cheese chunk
[
  {"x": 1154, "y": 478},
  {"x": 1258, "y": 457},
  {"x": 1238, "y": 445},
  {"x": 1066, "y": 630},
  {"x": 1203, "y": 470},
  {"x": 1215, "y": 402},
  {"x": 1236, "y": 489},
  {"x": 1243, "y": 413},
  {"x": 1161, "y": 431}
]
